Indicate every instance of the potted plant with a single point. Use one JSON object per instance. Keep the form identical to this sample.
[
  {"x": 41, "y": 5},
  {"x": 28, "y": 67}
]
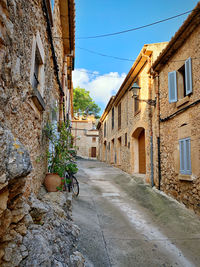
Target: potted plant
[{"x": 58, "y": 155}]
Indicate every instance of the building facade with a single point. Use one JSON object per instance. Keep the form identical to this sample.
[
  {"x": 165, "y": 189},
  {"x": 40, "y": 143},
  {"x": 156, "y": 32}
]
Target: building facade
[
  {"x": 176, "y": 79},
  {"x": 126, "y": 124},
  {"x": 36, "y": 59},
  {"x": 86, "y": 137}
]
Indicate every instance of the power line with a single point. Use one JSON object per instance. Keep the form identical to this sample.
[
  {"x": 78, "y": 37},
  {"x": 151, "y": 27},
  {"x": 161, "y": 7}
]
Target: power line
[
  {"x": 104, "y": 55},
  {"x": 132, "y": 29},
  {"x": 137, "y": 28}
]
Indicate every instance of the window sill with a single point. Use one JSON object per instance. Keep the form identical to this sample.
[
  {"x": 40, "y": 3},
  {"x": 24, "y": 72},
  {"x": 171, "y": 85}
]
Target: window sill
[
  {"x": 182, "y": 101},
  {"x": 184, "y": 177},
  {"x": 38, "y": 100}
]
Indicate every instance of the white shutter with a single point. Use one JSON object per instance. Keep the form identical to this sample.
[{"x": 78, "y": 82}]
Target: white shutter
[
  {"x": 172, "y": 86},
  {"x": 188, "y": 76}
]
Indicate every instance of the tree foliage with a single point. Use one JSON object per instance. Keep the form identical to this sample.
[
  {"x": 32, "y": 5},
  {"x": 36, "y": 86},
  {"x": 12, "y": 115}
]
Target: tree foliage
[{"x": 84, "y": 104}]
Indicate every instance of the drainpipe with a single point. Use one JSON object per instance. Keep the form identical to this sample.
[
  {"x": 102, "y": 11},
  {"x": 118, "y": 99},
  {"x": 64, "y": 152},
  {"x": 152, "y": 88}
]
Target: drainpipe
[
  {"x": 159, "y": 163},
  {"x": 152, "y": 168},
  {"x": 151, "y": 126},
  {"x": 158, "y": 136}
]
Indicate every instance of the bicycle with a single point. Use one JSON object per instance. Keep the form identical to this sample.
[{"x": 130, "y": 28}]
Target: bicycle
[{"x": 71, "y": 183}]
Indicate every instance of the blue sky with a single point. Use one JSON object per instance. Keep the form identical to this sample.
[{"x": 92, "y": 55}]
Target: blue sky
[{"x": 95, "y": 17}]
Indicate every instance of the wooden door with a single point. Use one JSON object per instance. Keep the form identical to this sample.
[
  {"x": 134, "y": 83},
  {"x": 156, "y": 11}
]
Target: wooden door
[
  {"x": 93, "y": 152},
  {"x": 142, "y": 153}
]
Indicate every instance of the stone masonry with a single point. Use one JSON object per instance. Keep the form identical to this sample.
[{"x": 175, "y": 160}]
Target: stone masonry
[
  {"x": 119, "y": 145},
  {"x": 185, "y": 123},
  {"x": 24, "y": 111}
]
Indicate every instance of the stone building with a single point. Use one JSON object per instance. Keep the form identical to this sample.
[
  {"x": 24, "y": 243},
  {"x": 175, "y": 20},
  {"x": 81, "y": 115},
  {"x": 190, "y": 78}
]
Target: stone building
[
  {"x": 86, "y": 137},
  {"x": 36, "y": 60},
  {"x": 125, "y": 128},
  {"x": 176, "y": 81}
]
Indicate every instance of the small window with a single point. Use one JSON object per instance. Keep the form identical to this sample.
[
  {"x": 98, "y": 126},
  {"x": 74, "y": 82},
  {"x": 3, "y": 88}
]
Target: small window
[
  {"x": 36, "y": 74},
  {"x": 93, "y": 139},
  {"x": 125, "y": 139},
  {"x": 136, "y": 104},
  {"x": 185, "y": 156},
  {"x": 113, "y": 117},
  {"x": 119, "y": 116},
  {"x": 105, "y": 129},
  {"x": 180, "y": 82}
]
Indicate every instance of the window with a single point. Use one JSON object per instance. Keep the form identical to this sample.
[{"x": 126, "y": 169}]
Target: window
[
  {"x": 37, "y": 75},
  {"x": 125, "y": 139},
  {"x": 185, "y": 156},
  {"x": 136, "y": 104},
  {"x": 113, "y": 117},
  {"x": 37, "y": 64},
  {"x": 136, "y": 100},
  {"x": 93, "y": 139},
  {"x": 105, "y": 129},
  {"x": 119, "y": 116},
  {"x": 180, "y": 82}
]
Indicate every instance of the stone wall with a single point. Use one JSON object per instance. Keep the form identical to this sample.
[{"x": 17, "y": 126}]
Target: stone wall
[
  {"x": 132, "y": 123},
  {"x": 185, "y": 188},
  {"x": 23, "y": 144}
]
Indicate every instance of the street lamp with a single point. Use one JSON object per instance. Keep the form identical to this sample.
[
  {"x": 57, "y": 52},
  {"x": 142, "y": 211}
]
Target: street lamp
[{"x": 135, "y": 88}]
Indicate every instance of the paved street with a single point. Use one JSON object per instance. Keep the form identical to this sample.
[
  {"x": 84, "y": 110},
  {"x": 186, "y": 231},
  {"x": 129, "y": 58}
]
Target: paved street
[{"x": 125, "y": 222}]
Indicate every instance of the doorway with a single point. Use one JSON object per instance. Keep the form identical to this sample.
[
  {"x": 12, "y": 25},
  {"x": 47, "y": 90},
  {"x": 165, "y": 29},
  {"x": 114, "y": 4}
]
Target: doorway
[
  {"x": 93, "y": 152},
  {"x": 142, "y": 152}
]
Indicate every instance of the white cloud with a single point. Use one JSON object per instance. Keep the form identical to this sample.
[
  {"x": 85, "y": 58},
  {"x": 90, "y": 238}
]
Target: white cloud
[{"x": 101, "y": 87}]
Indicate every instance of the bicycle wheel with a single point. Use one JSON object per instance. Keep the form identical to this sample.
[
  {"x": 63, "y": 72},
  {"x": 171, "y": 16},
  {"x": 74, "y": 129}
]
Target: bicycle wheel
[{"x": 75, "y": 186}]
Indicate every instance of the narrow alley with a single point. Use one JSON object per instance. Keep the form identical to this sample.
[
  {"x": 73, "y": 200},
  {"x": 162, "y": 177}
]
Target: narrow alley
[{"x": 124, "y": 222}]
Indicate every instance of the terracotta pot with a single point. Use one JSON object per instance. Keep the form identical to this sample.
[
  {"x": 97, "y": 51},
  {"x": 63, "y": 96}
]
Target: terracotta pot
[{"x": 52, "y": 181}]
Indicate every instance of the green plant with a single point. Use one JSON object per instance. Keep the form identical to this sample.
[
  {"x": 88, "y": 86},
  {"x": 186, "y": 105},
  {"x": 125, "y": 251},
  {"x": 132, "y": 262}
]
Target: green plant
[{"x": 61, "y": 150}]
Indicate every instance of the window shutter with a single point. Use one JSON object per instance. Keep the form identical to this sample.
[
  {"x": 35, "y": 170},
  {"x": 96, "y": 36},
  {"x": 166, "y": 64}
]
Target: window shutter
[
  {"x": 187, "y": 157},
  {"x": 119, "y": 116},
  {"x": 172, "y": 86},
  {"x": 181, "y": 146},
  {"x": 188, "y": 76}
]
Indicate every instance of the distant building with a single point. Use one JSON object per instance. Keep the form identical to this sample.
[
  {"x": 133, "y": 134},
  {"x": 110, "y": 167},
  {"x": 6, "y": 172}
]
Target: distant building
[{"x": 86, "y": 137}]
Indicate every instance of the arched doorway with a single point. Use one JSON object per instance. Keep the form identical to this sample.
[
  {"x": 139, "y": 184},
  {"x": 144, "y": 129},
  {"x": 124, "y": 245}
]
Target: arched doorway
[
  {"x": 142, "y": 152},
  {"x": 138, "y": 151}
]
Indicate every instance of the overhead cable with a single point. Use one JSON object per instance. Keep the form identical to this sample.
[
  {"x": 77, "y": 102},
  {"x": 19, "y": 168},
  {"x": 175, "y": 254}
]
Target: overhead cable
[
  {"x": 104, "y": 55},
  {"x": 137, "y": 28}
]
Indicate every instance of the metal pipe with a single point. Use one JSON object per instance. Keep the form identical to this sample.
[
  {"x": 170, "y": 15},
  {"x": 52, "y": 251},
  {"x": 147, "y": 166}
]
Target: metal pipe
[
  {"x": 159, "y": 163},
  {"x": 152, "y": 167}
]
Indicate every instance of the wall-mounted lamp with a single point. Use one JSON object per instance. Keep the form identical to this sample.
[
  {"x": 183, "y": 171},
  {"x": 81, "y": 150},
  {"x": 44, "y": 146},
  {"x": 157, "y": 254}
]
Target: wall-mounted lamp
[{"x": 135, "y": 88}]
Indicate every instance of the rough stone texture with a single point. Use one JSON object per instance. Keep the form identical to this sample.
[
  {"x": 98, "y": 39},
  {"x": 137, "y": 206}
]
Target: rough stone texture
[
  {"x": 51, "y": 240},
  {"x": 14, "y": 158},
  {"x": 22, "y": 141},
  {"x": 186, "y": 124}
]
